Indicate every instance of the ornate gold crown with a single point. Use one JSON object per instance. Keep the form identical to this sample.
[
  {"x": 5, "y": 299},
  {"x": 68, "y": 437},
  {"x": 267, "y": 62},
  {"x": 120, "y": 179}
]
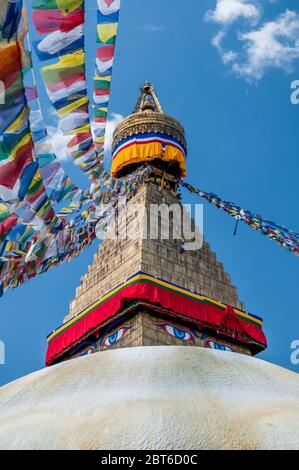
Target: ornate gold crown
[{"x": 149, "y": 118}]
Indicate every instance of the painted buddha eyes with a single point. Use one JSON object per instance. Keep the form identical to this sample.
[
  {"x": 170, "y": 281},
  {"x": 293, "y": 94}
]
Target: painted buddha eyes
[
  {"x": 173, "y": 330},
  {"x": 213, "y": 345},
  {"x": 178, "y": 333},
  {"x": 112, "y": 338}
]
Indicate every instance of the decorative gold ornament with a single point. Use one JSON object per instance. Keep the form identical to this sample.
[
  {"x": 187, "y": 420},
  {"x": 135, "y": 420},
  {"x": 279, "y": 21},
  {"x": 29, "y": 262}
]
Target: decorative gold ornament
[{"x": 148, "y": 117}]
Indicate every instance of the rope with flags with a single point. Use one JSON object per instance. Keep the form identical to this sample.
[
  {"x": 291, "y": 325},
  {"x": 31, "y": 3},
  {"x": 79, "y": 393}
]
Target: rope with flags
[
  {"x": 278, "y": 233},
  {"x": 61, "y": 25},
  {"x": 21, "y": 184},
  {"x": 107, "y": 27},
  {"x": 32, "y": 237}
]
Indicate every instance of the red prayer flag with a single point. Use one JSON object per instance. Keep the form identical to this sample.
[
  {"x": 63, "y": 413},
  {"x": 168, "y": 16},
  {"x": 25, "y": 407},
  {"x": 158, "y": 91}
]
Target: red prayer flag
[
  {"x": 7, "y": 224},
  {"x": 48, "y": 21},
  {"x": 78, "y": 139},
  {"x": 105, "y": 53}
]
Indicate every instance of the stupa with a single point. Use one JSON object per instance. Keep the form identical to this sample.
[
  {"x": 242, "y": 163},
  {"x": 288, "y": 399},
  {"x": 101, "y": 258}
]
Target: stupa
[
  {"x": 145, "y": 288},
  {"x": 156, "y": 351}
]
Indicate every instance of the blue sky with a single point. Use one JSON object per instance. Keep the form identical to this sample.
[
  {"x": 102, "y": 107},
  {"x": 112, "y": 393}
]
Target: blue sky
[{"x": 226, "y": 76}]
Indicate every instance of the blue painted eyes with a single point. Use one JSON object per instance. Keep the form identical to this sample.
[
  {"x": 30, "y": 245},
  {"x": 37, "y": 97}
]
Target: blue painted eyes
[
  {"x": 86, "y": 352},
  {"x": 178, "y": 333},
  {"x": 219, "y": 346},
  {"x": 112, "y": 338}
]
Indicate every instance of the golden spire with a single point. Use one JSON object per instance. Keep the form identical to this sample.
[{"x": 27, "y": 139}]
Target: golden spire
[{"x": 148, "y": 100}]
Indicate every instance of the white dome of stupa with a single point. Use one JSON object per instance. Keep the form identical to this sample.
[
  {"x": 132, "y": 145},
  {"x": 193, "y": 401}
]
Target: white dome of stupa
[{"x": 153, "y": 398}]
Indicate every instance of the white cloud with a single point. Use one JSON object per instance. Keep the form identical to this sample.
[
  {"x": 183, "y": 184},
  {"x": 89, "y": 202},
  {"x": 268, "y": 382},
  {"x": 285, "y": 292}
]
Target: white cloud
[
  {"x": 228, "y": 11},
  {"x": 227, "y": 56},
  {"x": 274, "y": 44},
  {"x": 59, "y": 143},
  {"x": 36, "y": 120},
  {"x": 57, "y": 140},
  {"x": 110, "y": 126},
  {"x": 264, "y": 45}
]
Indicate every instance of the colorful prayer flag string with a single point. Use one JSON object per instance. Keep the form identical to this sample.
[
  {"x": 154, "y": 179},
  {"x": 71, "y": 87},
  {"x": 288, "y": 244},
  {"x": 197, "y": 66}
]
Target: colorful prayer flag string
[
  {"x": 20, "y": 178},
  {"x": 61, "y": 23},
  {"x": 107, "y": 27},
  {"x": 280, "y": 234},
  {"x": 27, "y": 247},
  {"x": 32, "y": 255}
]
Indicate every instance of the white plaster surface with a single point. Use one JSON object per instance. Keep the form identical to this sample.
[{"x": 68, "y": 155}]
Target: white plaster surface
[{"x": 153, "y": 398}]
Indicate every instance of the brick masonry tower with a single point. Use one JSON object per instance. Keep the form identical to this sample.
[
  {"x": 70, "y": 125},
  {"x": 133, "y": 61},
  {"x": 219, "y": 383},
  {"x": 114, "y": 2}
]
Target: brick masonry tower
[{"x": 144, "y": 288}]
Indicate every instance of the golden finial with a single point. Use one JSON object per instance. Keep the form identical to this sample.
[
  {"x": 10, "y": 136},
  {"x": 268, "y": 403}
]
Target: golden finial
[
  {"x": 148, "y": 100},
  {"x": 147, "y": 105}
]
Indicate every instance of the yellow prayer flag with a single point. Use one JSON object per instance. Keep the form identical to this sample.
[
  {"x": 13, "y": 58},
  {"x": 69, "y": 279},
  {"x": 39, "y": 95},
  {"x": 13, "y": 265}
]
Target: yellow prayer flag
[
  {"x": 67, "y": 6},
  {"x": 18, "y": 122},
  {"x": 37, "y": 178},
  {"x": 99, "y": 140},
  {"x": 71, "y": 107},
  {"x": 106, "y": 78},
  {"x": 107, "y": 31},
  {"x": 26, "y": 139},
  {"x": 79, "y": 130},
  {"x": 74, "y": 59}
]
